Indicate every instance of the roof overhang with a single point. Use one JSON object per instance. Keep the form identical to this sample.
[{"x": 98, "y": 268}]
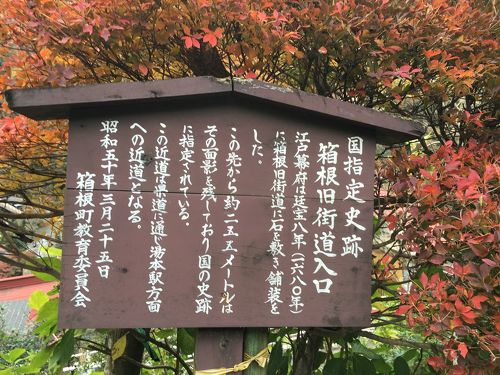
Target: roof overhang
[{"x": 60, "y": 103}]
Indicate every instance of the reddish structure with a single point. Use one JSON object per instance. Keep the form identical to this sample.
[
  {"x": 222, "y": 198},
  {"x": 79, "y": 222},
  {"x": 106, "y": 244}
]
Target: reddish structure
[{"x": 14, "y": 294}]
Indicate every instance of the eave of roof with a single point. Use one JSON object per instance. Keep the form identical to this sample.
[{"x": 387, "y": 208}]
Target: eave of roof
[{"x": 58, "y": 103}]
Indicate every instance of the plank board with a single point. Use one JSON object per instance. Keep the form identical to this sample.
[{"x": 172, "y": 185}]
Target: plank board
[{"x": 312, "y": 178}]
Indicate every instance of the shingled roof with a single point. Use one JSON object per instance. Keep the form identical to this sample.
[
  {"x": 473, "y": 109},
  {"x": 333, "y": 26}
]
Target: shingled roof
[{"x": 59, "y": 103}]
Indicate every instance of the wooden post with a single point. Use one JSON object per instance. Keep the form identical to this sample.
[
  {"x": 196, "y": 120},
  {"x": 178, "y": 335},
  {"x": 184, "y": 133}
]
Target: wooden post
[
  {"x": 134, "y": 349},
  {"x": 218, "y": 347},
  {"x": 255, "y": 341}
]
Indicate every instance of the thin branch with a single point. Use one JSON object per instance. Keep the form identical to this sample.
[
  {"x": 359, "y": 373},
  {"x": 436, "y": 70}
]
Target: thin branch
[
  {"x": 9, "y": 215},
  {"x": 400, "y": 342},
  {"x": 142, "y": 365},
  {"x": 167, "y": 347},
  {"x": 44, "y": 269}
]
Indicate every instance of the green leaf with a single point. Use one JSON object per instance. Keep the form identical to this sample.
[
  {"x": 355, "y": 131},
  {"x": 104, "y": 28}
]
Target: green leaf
[
  {"x": 363, "y": 366},
  {"x": 62, "y": 352},
  {"x": 13, "y": 355},
  {"x": 25, "y": 370},
  {"x": 44, "y": 276},
  {"x": 52, "y": 261},
  {"x": 40, "y": 359},
  {"x": 410, "y": 354},
  {"x": 284, "y": 365},
  {"x": 185, "y": 341},
  {"x": 37, "y": 300},
  {"x": 319, "y": 358},
  {"x": 359, "y": 348},
  {"x": 335, "y": 366},
  {"x": 164, "y": 333},
  {"x": 46, "y": 328},
  {"x": 48, "y": 318},
  {"x": 381, "y": 366},
  {"x": 192, "y": 332},
  {"x": 401, "y": 367},
  {"x": 53, "y": 251},
  {"x": 275, "y": 359},
  {"x": 48, "y": 310}
]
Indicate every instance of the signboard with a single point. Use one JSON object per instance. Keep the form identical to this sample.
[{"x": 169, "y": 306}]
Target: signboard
[{"x": 224, "y": 214}]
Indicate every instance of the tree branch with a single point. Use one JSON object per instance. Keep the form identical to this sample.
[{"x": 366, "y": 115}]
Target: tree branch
[{"x": 400, "y": 342}]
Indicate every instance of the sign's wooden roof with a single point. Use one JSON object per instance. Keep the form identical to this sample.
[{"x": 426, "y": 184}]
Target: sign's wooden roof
[{"x": 58, "y": 103}]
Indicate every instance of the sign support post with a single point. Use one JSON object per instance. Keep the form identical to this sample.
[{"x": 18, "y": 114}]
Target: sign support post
[
  {"x": 255, "y": 341},
  {"x": 218, "y": 347}
]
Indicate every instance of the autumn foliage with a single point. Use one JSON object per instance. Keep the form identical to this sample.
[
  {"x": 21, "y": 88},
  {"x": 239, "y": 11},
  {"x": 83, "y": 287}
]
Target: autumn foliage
[{"x": 436, "y": 258}]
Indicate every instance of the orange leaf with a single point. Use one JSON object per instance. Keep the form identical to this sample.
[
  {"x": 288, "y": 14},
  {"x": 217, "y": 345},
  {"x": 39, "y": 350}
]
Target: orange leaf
[
  {"x": 218, "y": 32},
  {"x": 431, "y": 53},
  {"x": 45, "y": 53},
  {"x": 289, "y": 48},
  {"x": 462, "y": 348}
]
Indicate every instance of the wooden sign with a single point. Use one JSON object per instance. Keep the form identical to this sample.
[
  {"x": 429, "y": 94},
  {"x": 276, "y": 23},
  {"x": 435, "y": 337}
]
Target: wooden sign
[{"x": 217, "y": 212}]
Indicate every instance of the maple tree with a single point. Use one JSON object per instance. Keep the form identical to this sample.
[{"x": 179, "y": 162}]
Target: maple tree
[{"x": 436, "y": 215}]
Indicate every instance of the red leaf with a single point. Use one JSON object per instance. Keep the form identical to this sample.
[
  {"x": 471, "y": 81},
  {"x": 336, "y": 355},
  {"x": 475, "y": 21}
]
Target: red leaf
[
  {"x": 188, "y": 41},
  {"x": 250, "y": 75},
  {"x": 476, "y": 301},
  {"x": 436, "y": 362},
  {"x": 433, "y": 189},
  {"x": 489, "y": 262},
  {"x": 403, "y": 309},
  {"x": 210, "y": 39},
  {"x": 143, "y": 69},
  {"x": 469, "y": 316},
  {"x": 479, "y": 250},
  {"x": 405, "y": 68},
  {"x": 432, "y": 176},
  {"x": 462, "y": 348},
  {"x": 437, "y": 259},
  {"x": 104, "y": 34},
  {"x": 88, "y": 29},
  {"x": 322, "y": 50},
  {"x": 458, "y": 269},
  {"x": 195, "y": 42},
  {"x": 424, "y": 279}
]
